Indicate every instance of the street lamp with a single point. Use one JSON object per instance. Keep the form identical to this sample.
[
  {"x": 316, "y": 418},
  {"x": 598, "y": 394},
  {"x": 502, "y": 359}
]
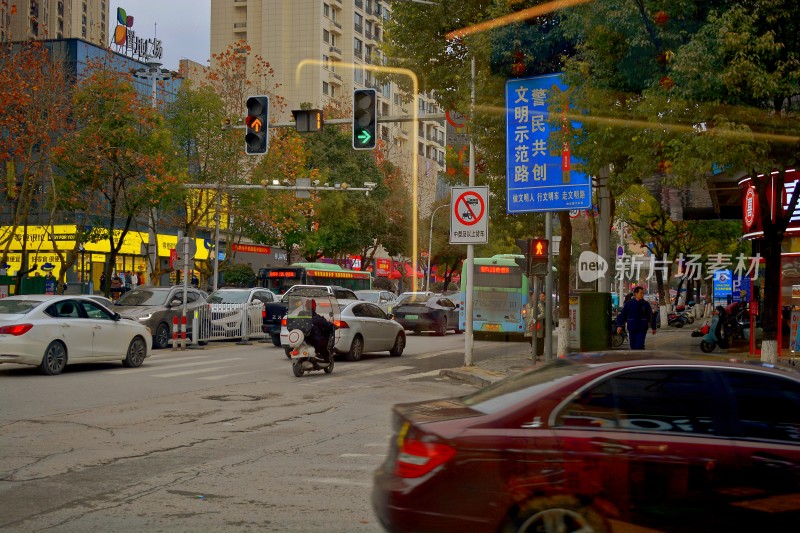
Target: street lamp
[
  {"x": 430, "y": 245},
  {"x": 153, "y": 73}
]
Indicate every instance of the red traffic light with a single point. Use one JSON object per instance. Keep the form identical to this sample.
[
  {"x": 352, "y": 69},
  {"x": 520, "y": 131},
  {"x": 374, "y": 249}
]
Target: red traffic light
[{"x": 539, "y": 250}]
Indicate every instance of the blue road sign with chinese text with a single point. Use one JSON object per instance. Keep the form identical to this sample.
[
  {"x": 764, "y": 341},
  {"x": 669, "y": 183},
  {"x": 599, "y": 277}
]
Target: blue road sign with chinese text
[{"x": 536, "y": 178}]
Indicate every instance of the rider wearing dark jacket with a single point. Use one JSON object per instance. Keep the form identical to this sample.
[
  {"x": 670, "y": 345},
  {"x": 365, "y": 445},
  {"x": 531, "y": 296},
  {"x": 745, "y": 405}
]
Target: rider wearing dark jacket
[
  {"x": 637, "y": 315},
  {"x": 320, "y": 333}
]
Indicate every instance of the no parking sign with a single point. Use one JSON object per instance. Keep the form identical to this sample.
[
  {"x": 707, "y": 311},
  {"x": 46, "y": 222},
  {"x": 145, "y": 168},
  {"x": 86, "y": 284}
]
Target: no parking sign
[{"x": 469, "y": 217}]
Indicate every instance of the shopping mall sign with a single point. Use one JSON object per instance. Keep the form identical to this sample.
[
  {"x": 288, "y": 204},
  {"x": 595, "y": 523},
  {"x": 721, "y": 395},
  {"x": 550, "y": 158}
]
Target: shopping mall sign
[
  {"x": 127, "y": 41},
  {"x": 778, "y": 198}
]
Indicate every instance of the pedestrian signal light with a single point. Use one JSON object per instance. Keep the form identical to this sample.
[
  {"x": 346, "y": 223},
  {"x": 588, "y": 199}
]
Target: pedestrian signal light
[
  {"x": 365, "y": 118},
  {"x": 256, "y": 138},
  {"x": 538, "y": 250}
]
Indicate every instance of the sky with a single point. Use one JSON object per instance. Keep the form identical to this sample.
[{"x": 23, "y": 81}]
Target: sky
[{"x": 183, "y": 26}]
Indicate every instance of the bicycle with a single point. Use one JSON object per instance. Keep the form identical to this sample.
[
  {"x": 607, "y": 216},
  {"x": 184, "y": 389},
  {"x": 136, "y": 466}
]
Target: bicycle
[{"x": 618, "y": 338}]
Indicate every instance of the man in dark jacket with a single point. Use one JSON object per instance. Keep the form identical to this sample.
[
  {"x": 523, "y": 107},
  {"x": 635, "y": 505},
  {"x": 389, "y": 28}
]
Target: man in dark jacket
[
  {"x": 637, "y": 315},
  {"x": 320, "y": 333}
]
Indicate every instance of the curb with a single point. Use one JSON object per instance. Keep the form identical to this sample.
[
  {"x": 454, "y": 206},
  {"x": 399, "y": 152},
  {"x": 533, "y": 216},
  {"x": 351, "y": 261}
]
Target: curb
[{"x": 472, "y": 375}]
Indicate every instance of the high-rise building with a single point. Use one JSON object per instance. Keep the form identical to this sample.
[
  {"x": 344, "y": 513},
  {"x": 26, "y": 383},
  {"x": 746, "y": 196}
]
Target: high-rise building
[
  {"x": 23, "y": 20},
  {"x": 321, "y": 50}
]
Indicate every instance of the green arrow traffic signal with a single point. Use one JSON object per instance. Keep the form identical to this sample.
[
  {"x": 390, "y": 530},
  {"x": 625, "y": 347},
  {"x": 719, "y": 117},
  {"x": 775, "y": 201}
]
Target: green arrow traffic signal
[{"x": 365, "y": 118}]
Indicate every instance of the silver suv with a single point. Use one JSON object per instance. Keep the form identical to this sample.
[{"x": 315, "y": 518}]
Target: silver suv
[{"x": 155, "y": 307}]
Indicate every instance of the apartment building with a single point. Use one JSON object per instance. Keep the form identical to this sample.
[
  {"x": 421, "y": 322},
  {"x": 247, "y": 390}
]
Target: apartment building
[
  {"x": 23, "y": 20},
  {"x": 323, "y": 49}
]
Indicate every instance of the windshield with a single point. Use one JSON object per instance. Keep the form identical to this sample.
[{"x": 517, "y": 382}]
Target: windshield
[
  {"x": 509, "y": 391},
  {"x": 414, "y": 299},
  {"x": 228, "y": 297},
  {"x": 144, "y": 297},
  {"x": 17, "y": 307},
  {"x": 373, "y": 297}
]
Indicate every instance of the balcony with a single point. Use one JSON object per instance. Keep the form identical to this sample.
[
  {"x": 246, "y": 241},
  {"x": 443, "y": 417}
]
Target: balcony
[
  {"x": 359, "y": 28},
  {"x": 357, "y": 53},
  {"x": 335, "y": 51},
  {"x": 240, "y": 27}
]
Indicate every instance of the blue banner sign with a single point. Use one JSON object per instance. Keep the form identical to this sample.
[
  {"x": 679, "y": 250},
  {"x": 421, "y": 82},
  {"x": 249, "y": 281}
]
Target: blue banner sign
[{"x": 536, "y": 179}]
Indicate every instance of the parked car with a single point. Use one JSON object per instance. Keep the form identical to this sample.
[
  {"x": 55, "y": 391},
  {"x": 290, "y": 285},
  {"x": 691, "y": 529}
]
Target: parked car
[
  {"x": 155, "y": 307},
  {"x": 276, "y": 311},
  {"x": 427, "y": 313},
  {"x": 101, "y": 299},
  {"x": 383, "y": 299},
  {"x": 595, "y": 442},
  {"x": 227, "y": 304},
  {"x": 53, "y": 331}
]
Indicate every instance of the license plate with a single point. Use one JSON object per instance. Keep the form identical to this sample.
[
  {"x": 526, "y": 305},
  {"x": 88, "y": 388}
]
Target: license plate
[
  {"x": 492, "y": 327},
  {"x": 412, "y": 317}
]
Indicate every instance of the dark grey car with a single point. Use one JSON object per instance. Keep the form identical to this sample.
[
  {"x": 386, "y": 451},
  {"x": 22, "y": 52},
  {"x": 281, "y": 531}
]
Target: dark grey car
[{"x": 155, "y": 307}]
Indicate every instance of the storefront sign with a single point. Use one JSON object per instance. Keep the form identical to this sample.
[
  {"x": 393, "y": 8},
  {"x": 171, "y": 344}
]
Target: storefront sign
[{"x": 751, "y": 208}]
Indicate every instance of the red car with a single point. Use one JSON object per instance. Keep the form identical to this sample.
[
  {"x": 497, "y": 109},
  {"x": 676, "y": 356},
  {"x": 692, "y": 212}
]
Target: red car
[{"x": 601, "y": 442}]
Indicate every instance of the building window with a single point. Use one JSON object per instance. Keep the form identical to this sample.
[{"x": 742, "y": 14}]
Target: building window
[
  {"x": 359, "y": 21},
  {"x": 333, "y": 91},
  {"x": 326, "y": 36},
  {"x": 325, "y": 87},
  {"x": 326, "y": 10},
  {"x": 358, "y": 76},
  {"x": 326, "y": 62},
  {"x": 358, "y": 46},
  {"x": 84, "y": 7}
]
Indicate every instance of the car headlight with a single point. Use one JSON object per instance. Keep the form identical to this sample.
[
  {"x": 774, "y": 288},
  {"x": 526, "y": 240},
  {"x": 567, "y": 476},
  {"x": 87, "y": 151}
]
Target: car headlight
[{"x": 144, "y": 317}]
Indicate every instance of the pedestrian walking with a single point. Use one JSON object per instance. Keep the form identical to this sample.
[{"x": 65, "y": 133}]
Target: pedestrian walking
[
  {"x": 103, "y": 282},
  {"x": 134, "y": 279},
  {"x": 637, "y": 315}
]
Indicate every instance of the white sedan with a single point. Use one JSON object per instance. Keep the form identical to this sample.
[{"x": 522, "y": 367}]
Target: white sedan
[
  {"x": 53, "y": 331},
  {"x": 363, "y": 327}
]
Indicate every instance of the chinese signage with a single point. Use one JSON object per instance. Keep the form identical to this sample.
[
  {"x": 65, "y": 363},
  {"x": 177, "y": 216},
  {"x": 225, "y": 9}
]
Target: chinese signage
[
  {"x": 126, "y": 40},
  {"x": 469, "y": 219},
  {"x": 751, "y": 209},
  {"x": 536, "y": 178},
  {"x": 636, "y": 267}
]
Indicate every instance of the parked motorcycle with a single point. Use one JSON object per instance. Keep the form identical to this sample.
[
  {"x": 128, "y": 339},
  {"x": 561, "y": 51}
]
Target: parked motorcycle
[
  {"x": 725, "y": 327},
  {"x": 299, "y": 322}
]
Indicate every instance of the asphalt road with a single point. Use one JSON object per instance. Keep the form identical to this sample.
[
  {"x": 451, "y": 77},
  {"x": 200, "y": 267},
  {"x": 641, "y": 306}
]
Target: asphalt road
[{"x": 221, "y": 439}]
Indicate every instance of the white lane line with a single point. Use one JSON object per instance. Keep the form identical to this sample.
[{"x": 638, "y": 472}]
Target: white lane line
[
  {"x": 356, "y": 455},
  {"x": 189, "y": 372},
  {"x": 337, "y": 481},
  {"x": 383, "y": 371},
  {"x": 435, "y": 354},
  {"x": 184, "y": 365},
  {"x": 420, "y": 375},
  {"x": 223, "y": 376}
]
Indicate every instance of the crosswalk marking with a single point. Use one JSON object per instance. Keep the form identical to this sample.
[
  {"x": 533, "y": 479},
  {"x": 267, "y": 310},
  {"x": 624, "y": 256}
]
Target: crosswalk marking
[
  {"x": 188, "y": 372},
  {"x": 223, "y": 376}
]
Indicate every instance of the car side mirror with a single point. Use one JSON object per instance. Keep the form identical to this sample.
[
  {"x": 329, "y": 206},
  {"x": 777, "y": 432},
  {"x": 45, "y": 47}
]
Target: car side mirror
[
  {"x": 175, "y": 301},
  {"x": 116, "y": 317},
  {"x": 390, "y": 316}
]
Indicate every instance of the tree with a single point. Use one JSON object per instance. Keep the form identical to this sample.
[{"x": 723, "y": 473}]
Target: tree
[
  {"x": 694, "y": 90},
  {"x": 117, "y": 162},
  {"x": 34, "y": 111}
]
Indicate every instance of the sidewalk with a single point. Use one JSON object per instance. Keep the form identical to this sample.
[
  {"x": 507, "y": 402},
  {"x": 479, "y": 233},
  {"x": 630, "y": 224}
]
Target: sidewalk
[{"x": 486, "y": 372}]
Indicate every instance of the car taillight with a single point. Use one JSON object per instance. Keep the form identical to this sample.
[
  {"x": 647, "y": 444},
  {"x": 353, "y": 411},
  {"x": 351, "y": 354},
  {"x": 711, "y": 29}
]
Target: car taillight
[
  {"x": 16, "y": 329},
  {"x": 283, "y": 322},
  {"x": 416, "y": 458},
  {"x": 340, "y": 324}
]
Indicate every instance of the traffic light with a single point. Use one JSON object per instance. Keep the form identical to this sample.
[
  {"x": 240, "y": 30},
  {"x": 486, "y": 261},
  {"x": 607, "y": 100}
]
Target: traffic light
[
  {"x": 538, "y": 251},
  {"x": 256, "y": 139},
  {"x": 525, "y": 246},
  {"x": 307, "y": 120},
  {"x": 365, "y": 118}
]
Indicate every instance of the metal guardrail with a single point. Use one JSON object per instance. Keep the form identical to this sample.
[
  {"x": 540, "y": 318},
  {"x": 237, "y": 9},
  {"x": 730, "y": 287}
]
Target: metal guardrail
[{"x": 217, "y": 322}]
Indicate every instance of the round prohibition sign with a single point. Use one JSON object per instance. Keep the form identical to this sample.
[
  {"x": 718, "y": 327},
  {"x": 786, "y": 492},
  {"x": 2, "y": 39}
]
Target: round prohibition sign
[{"x": 465, "y": 208}]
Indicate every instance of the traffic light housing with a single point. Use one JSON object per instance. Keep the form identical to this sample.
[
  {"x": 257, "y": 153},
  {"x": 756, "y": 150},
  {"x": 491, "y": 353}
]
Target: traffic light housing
[
  {"x": 256, "y": 139},
  {"x": 539, "y": 251},
  {"x": 525, "y": 247},
  {"x": 308, "y": 120},
  {"x": 365, "y": 118}
]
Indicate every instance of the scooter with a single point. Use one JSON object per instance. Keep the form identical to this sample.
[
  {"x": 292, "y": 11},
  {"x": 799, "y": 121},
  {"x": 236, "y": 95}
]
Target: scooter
[
  {"x": 303, "y": 355},
  {"x": 724, "y": 328}
]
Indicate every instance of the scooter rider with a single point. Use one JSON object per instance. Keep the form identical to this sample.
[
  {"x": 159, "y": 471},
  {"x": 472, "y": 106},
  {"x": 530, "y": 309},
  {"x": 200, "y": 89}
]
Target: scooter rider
[{"x": 320, "y": 332}]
